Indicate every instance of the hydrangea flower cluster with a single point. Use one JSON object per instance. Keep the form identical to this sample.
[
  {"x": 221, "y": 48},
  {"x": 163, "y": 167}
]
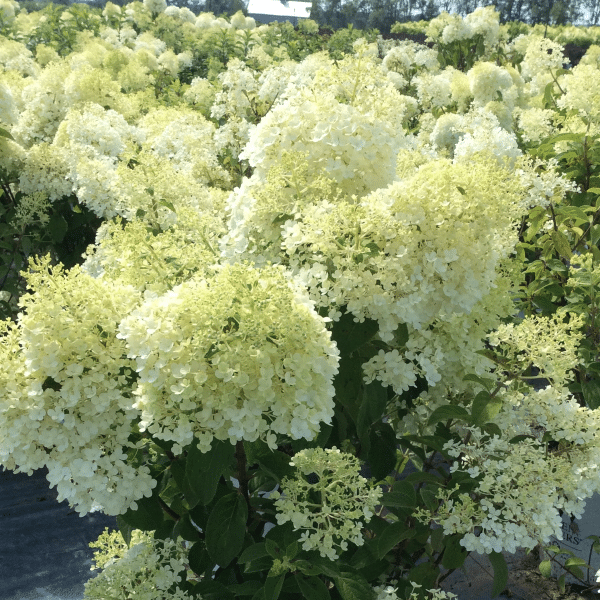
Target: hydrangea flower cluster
[
  {"x": 522, "y": 488},
  {"x": 67, "y": 403},
  {"x": 149, "y": 570},
  {"x": 334, "y": 121},
  {"x": 547, "y": 343},
  {"x": 327, "y": 499},
  {"x": 238, "y": 356}
]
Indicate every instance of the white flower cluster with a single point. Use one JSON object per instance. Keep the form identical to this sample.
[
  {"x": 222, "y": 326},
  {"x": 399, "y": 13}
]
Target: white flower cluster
[
  {"x": 523, "y": 486},
  {"x": 327, "y": 499},
  {"x": 236, "y": 356},
  {"x": 66, "y": 400},
  {"x": 149, "y": 570},
  {"x": 548, "y": 343},
  {"x": 451, "y": 28},
  {"x": 389, "y": 592},
  {"x": 335, "y": 121}
]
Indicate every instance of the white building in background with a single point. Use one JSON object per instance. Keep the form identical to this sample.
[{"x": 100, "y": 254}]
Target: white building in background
[{"x": 267, "y": 11}]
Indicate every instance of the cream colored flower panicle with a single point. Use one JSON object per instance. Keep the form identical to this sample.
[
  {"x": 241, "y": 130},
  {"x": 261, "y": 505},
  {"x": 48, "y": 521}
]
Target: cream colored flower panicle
[
  {"x": 523, "y": 486},
  {"x": 542, "y": 58},
  {"x": 66, "y": 391},
  {"x": 149, "y": 570},
  {"x": 348, "y": 119},
  {"x": 385, "y": 260},
  {"x": 155, "y": 6},
  {"x": 154, "y": 262},
  {"x": 327, "y": 499},
  {"x": 582, "y": 92},
  {"x": 185, "y": 138},
  {"x": 240, "y": 355},
  {"x": 547, "y": 343}
]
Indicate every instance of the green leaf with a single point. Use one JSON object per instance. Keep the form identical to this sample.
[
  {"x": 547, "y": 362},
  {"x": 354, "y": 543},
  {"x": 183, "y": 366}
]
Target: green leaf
[
  {"x": 402, "y": 495},
  {"x": 485, "y": 408},
  {"x": 561, "y": 244},
  {"x": 349, "y": 335},
  {"x": 561, "y": 583},
  {"x": 429, "y": 498},
  {"x": 424, "y": 574},
  {"x": 167, "y": 204},
  {"x": 353, "y": 586},
  {"x": 273, "y": 549},
  {"x": 203, "y": 471},
  {"x": 500, "y": 573},
  {"x": 382, "y": 453},
  {"x": 575, "y": 561},
  {"x": 247, "y": 588},
  {"x": 209, "y": 589},
  {"x": 591, "y": 393},
  {"x": 273, "y": 587},
  {"x": 147, "y": 517},
  {"x": 277, "y": 465},
  {"x": 392, "y": 536},
  {"x": 6, "y": 134},
  {"x": 485, "y": 383},
  {"x": 312, "y": 588},
  {"x": 185, "y": 529},
  {"x": 125, "y": 529},
  {"x": 454, "y": 554},
  {"x": 253, "y": 552},
  {"x": 57, "y": 226},
  {"x": 198, "y": 558},
  {"x": 546, "y": 568},
  {"x": 226, "y": 528},
  {"x": 448, "y": 412}
]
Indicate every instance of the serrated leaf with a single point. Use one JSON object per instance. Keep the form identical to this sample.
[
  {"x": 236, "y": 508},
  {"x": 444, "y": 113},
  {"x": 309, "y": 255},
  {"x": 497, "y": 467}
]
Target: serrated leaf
[
  {"x": 448, "y": 412},
  {"x": 198, "y": 558},
  {"x": 125, "y": 529},
  {"x": 312, "y": 588},
  {"x": 352, "y": 586},
  {"x": 208, "y": 589},
  {"x": 591, "y": 393},
  {"x": 57, "y": 226},
  {"x": 277, "y": 465},
  {"x": 485, "y": 408},
  {"x": 273, "y": 587},
  {"x": 382, "y": 451},
  {"x": 484, "y": 382},
  {"x": 350, "y": 335},
  {"x": 575, "y": 561},
  {"x": 500, "y": 573},
  {"x": 546, "y": 568},
  {"x": 392, "y": 536},
  {"x": 226, "y": 528},
  {"x": 253, "y": 552},
  {"x": 167, "y": 204},
  {"x": 454, "y": 554},
  {"x": 6, "y": 134},
  {"x": 203, "y": 471},
  {"x": 148, "y": 516},
  {"x": 429, "y": 498},
  {"x": 248, "y": 588},
  {"x": 402, "y": 495},
  {"x": 561, "y": 244},
  {"x": 273, "y": 549}
]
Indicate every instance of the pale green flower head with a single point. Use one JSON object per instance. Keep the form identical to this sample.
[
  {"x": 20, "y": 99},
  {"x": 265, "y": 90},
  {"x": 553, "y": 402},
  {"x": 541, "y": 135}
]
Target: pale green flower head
[
  {"x": 331, "y": 511},
  {"x": 149, "y": 570},
  {"x": 239, "y": 355}
]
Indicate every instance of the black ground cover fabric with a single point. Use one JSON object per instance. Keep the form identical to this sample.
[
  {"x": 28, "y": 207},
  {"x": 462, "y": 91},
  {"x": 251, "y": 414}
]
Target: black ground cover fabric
[{"x": 44, "y": 553}]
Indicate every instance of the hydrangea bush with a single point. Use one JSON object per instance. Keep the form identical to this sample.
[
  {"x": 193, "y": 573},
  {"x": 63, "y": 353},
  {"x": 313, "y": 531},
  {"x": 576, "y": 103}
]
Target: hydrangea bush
[{"x": 338, "y": 326}]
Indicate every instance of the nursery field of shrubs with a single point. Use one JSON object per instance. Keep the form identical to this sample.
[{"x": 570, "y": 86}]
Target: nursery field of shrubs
[{"x": 249, "y": 273}]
